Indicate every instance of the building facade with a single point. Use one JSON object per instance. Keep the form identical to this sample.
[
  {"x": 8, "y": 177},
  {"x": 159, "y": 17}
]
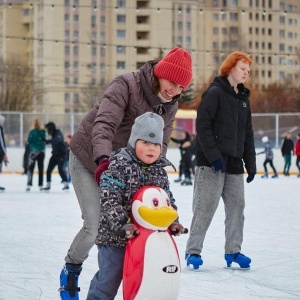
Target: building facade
[{"x": 75, "y": 48}]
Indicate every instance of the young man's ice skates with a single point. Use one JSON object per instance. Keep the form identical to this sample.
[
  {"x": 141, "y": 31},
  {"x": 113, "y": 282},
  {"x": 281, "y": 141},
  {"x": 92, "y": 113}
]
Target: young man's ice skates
[
  {"x": 194, "y": 259},
  {"x": 69, "y": 282},
  {"x": 242, "y": 260}
]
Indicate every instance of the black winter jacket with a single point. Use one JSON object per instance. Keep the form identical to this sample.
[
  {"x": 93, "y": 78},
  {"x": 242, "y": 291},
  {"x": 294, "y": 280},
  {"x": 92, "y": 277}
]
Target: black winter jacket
[
  {"x": 58, "y": 144},
  {"x": 118, "y": 185},
  {"x": 224, "y": 128}
]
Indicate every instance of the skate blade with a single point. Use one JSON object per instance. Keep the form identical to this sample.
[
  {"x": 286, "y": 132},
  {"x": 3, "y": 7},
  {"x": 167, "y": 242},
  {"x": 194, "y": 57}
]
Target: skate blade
[{"x": 237, "y": 268}]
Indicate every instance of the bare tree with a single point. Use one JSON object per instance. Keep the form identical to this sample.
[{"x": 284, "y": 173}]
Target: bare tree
[
  {"x": 90, "y": 94},
  {"x": 17, "y": 86}
]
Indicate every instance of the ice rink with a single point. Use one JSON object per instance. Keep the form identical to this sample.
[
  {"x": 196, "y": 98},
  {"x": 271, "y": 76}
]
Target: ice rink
[{"x": 37, "y": 228}]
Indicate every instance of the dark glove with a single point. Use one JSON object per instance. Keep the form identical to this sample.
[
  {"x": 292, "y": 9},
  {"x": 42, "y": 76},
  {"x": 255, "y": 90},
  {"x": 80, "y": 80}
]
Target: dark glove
[
  {"x": 250, "y": 177},
  {"x": 103, "y": 165},
  {"x": 218, "y": 165},
  {"x": 130, "y": 230},
  {"x": 177, "y": 229}
]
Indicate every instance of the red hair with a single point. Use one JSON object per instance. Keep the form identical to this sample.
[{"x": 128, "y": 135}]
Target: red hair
[{"x": 231, "y": 60}]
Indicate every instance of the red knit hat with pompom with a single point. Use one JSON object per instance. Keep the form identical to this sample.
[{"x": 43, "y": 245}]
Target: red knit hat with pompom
[{"x": 176, "y": 66}]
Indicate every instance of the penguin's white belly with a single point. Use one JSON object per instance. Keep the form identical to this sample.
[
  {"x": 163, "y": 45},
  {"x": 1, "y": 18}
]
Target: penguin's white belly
[{"x": 161, "y": 274}]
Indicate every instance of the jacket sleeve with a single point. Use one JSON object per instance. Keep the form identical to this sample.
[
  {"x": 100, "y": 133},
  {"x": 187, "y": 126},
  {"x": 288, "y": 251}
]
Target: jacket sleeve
[
  {"x": 112, "y": 186},
  {"x": 249, "y": 155},
  {"x": 206, "y": 115},
  {"x": 110, "y": 114}
]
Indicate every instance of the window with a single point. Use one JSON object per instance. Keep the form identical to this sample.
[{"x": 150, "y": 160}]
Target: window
[
  {"x": 76, "y": 18},
  {"x": 233, "y": 16},
  {"x": 282, "y": 20},
  {"x": 67, "y": 98},
  {"x": 188, "y": 26},
  {"x": 281, "y": 33},
  {"x": 215, "y": 17},
  {"x": 188, "y": 40},
  {"x": 67, "y": 18},
  {"x": 121, "y": 19},
  {"x": 102, "y": 68},
  {"x": 281, "y": 75},
  {"x": 121, "y": 34},
  {"x": 26, "y": 12},
  {"x": 102, "y": 20},
  {"x": 121, "y": 64},
  {"x": 75, "y": 81},
  {"x": 215, "y": 45},
  {"x": 281, "y": 47},
  {"x": 121, "y": 3},
  {"x": 67, "y": 65},
  {"x": 76, "y": 98},
  {"x": 215, "y": 31},
  {"x": 67, "y": 50},
  {"x": 76, "y": 35},
  {"x": 179, "y": 25},
  {"x": 121, "y": 49},
  {"x": 75, "y": 50},
  {"x": 179, "y": 40},
  {"x": 75, "y": 66}
]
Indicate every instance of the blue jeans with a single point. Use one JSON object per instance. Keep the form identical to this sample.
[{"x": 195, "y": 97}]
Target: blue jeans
[
  {"x": 88, "y": 195},
  {"x": 106, "y": 282}
]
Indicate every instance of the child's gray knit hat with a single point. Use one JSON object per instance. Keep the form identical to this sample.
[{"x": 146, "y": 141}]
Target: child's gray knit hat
[{"x": 148, "y": 127}]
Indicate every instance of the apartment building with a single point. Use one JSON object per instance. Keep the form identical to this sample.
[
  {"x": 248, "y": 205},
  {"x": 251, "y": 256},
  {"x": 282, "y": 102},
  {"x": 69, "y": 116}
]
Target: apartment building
[{"x": 78, "y": 46}]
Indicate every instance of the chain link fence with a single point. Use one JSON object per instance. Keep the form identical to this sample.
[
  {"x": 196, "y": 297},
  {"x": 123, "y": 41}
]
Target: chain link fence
[{"x": 18, "y": 124}]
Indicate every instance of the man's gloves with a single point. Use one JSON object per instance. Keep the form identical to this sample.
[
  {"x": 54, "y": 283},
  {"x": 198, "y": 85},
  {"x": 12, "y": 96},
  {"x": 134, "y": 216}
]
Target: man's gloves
[
  {"x": 103, "y": 165},
  {"x": 130, "y": 230},
  {"x": 218, "y": 165},
  {"x": 250, "y": 177},
  {"x": 177, "y": 229}
]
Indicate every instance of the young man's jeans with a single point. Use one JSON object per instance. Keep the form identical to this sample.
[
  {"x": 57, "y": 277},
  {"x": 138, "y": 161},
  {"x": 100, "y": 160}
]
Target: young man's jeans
[
  {"x": 106, "y": 282},
  {"x": 88, "y": 195},
  {"x": 209, "y": 187}
]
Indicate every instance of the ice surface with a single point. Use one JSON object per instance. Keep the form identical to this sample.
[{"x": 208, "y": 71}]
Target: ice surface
[{"x": 37, "y": 228}]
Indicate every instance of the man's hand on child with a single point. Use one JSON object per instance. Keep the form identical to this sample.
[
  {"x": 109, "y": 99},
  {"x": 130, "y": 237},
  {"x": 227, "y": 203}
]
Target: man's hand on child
[
  {"x": 130, "y": 230},
  {"x": 103, "y": 165}
]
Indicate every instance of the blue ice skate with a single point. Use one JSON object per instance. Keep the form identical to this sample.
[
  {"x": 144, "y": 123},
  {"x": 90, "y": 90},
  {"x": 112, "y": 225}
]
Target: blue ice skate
[
  {"x": 275, "y": 175},
  {"x": 194, "y": 259},
  {"x": 69, "y": 282},
  {"x": 265, "y": 175},
  {"x": 242, "y": 260}
]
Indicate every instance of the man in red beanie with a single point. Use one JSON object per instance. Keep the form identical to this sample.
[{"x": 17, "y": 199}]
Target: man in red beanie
[{"x": 155, "y": 87}]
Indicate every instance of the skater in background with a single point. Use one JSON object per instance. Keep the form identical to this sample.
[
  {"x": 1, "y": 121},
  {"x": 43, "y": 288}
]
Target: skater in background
[
  {"x": 269, "y": 158},
  {"x": 57, "y": 158},
  {"x": 287, "y": 150},
  {"x": 37, "y": 146},
  {"x": 3, "y": 154},
  {"x": 155, "y": 87},
  {"x": 185, "y": 165},
  {"x": 224, "y": 143},
  {"x": 26, "y": 158},
  {"x": 139, "y": 164},
  {"x": 297, "y": 153},
  {"x": 66, "y": 162}
]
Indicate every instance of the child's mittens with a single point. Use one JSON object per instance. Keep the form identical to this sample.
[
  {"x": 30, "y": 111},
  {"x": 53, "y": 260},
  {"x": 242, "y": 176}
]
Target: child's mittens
[
  {"x": 130, "y": 230},
  {"x": 177, "y": 229}
]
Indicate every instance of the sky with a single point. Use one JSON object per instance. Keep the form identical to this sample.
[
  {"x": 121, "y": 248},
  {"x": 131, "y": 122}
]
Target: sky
[{"x": 36, "y": 230}]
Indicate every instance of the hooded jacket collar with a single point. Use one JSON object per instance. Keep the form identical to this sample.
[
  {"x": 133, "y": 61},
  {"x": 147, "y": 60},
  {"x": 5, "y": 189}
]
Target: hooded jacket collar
[
  {"x": 223, "y": 82},
  {"x": 147, "y": 78}
]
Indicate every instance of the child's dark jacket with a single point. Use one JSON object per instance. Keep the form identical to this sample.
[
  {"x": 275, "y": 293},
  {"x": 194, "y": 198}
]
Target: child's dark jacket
[{"x": 124, "y": 177}]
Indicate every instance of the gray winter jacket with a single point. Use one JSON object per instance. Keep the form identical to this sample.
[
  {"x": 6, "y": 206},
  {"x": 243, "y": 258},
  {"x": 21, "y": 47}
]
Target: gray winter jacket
[
  {"x": 107, "y": 126},
  {"x": 118, "y": 185}
]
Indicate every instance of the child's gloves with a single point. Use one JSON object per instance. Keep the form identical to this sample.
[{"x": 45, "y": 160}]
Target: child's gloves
[
  {"x": 130, "y": 230},
  {"x": 177, "y": 229},
  {"x": 103, "y": 165},
  {"x": 218, "y": 165}
]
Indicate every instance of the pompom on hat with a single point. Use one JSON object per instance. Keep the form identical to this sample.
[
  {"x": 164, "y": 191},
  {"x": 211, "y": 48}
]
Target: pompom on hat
[
  {"x": 265, "y": 139},
  {"x": 148, "y": 127},
  {"x": 176, "y": 66}
]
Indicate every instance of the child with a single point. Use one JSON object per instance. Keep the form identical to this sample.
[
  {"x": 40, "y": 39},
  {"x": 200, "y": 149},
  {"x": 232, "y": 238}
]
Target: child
[
  {"x": 297, "y": 153},
  {"x": 269, "y": 157},
  {"x": 130, "y": 169},
  {"x": 3, "y": 155}
]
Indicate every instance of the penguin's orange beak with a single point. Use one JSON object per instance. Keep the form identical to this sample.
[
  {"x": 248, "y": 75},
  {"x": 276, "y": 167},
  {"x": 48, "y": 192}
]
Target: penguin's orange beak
[{"x": 160, "y": 217}]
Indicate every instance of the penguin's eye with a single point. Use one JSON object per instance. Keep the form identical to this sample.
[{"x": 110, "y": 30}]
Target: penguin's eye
[
  {"x": 168, "y": 202},
  {"x": 155, "y": 202}
]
